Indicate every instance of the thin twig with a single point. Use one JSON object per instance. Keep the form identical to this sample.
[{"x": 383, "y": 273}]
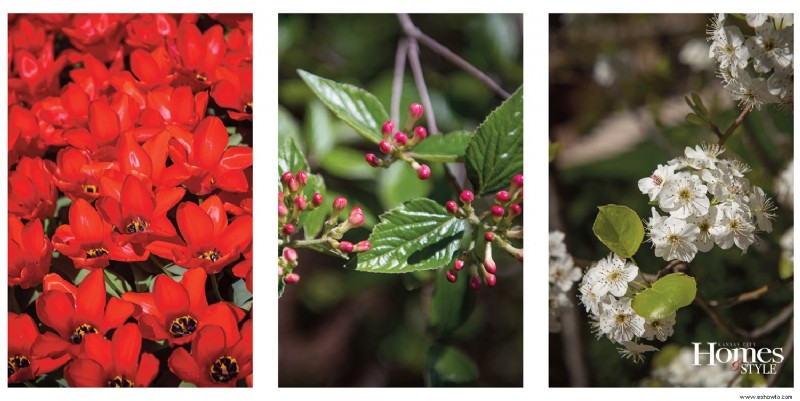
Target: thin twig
[
  {"x": 397, "y": 82},
  {"x": 751, "y": 295},
  {"x": 730, "y": 331},
  {"x": 733, "y": 126},
  {"x": 787, "y": 350},
  {"x": 412, "y": 31},
  {"x": 416, "y": 69},
  {"x": 773, "y": 324}
]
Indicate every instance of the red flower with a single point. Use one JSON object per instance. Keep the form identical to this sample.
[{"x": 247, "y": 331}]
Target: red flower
[
  {"x": 198, "y": 54},
  {"x": 152, "y": 68},
  {"x": 29, "y": 252},
  {"x": 114, "y": 363},
  {"x": 104, "y": 127},
  {"x": 37, "y": 76},
  {"x": 94, "y": 77},
  {"x": 31, "y": 193},
  {"x": 217, "y": 359},
  {"x": 150, "y": 30},
  {"x": 211, "y": 165},
  {"x": 23, "y": 135},
  {"x": 98, "y": 34},
  {"x": 167, "y": 106},
  {"x": 74, "y": 312},
  {"x": 149, "y": 161},
  {"x": 175, "y": 311},
  {"x": 244, "y": 269},
  {"x": 210, "y": 243},
  {"x": 88, "y": 242},
  {"x": 234, "y": 90},
  {"x": 23, "y": 364},
  {"x": 76, "y": 173}
]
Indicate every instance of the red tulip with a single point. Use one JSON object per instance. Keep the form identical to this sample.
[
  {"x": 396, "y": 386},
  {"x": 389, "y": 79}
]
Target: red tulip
[
  {"x": 199, "y": 54},
  {"x": 31, "y": 193},
  {"x": 23, "y": 135},
  {"x": 167, "y": 106},
  {"x": 23, "y": 363},
  {"x": 29, "y": 252},
  {"x": 234, "y": 91},
  {"x": 74, "y": 174},
  {"x": 150, "y": 30},
  {"x": 217, "y": 360},
  {"x": 208, "y": 241},
  {"x": 113, "y": 363},
  {"x": 244, "y": 269},
  {"x": 98, "y": 34}
]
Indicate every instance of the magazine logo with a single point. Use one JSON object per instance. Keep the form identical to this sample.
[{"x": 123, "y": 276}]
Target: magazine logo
[{"x": 745, "y": 357}]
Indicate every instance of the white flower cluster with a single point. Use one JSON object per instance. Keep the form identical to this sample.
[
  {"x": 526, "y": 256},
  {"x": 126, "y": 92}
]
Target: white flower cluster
[
  {"x": 709, "y": 202},
  {"x": 605, "y": 294},
  {"x": 563, "y": 273},
  {"x": 681, "y": 372},
  {"x": 756, "y": 69}
]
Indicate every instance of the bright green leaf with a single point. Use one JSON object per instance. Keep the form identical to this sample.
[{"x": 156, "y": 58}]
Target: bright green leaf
[
  {"x": 555, "y": 148},
  {"x": 319, "y": 130},
  {"x": 495, "y": 153},
  {"x": 665, "y": 296},
  {"x": 234, "y": 140},
  {"x": 312, "y": 221},
  {"x": 620, "y": 229},
  {"x": 241, "y": 296},
  {"x": 400, "y": 175},
  {"x": 288, "y": 128},
  {"x": 348, "y": 163},
  {"x": 451, "y": 304},
  {"x": 116, "y": 284},
  {"x": 450, "y": 367},
  {"x": 281, "y": 287},
  {"x": 418, "y": 235},
  {"x": 358, "y": 108},
  {"x": 290, "y": 158},
  {"x": 186, "y": 384},
  {"x": 446, "y": 148}
]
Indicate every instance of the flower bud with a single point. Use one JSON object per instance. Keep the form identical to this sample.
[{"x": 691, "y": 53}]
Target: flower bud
[
  {"x": 415, "y": 111},
  {"x": 356, "y": 219},
  {"x": 388, "y": 128},
  {"x": 515, "y": 209},
  {"x": 498, "y": 211},
  {"x": 280, "y": 196},
  {"x": 475, "y": 284},
  {"x": 488, "y": 236},
  {"x": 491, "y": 280},
  {"x": 290, "y": 255},
  {"x": 286, "y": 177},
  {"x": 362, "y": 246},
  {"x": 489, "y": 265},
  {"x": 302, "y": 177},
  {"x": 503, "y": 197},
  {"x": 400, "y": 138},
  {"x": 346, "y": 247},
  {"x": 420, "y": 133},
  {"x": 385, "y": 147},
  {"x": 451, "y": 276},
  {"x": 516, "y": 182},
  {"x": 458, "y": 264},
  {"x": 300, "y": 202},
  {"x": 288, "y": 229},
  {"x": 316, "y": 199},
  {"x": 293, "y": 185},
  {"x": 339, "y": 203},
  {"x": 291, "y": 278},
  {"x": 280, "y": 271},
  {"x": 282, "y": 210},
  {"x": 356, "y": 210},
  {"x": 466, "y": 196},
  {"x": 424, "y": 172},
  {"x": 451, "y": 207},
  {"x": 373, "y": 160}
]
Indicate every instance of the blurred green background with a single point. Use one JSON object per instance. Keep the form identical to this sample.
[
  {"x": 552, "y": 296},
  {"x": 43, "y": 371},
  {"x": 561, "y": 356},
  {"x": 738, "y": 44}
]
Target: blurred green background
[
  {"x": 344, "y": 328},
  {"x": 617, "y": 84}
]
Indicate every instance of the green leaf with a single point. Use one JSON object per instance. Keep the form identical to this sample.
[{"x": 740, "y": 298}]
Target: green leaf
[
  {"x": 417, "y": 235},
  {"x": 446, "y": 148},
  {"x": 450, "y": 367},
  {"x": 319, "y": 130},
  {"x": 620, "y": 229},
  {"x": 400, "y": 175},
  {"x": 701, "y": 109},
  {"x": 358, "y": 108},
  {"x": 555, "y": 148},
  {"x": 495, "y": 153},
  {"x": 241, "y": 296},
  {"x": 281, "y": 287},
  {"x": 312, "y": 221},
  {"x": 288, "y": 128},
  {"x": 668, "y": 294},
  {"x": 290, "y": 158},
  {"x": 234, "y": 139},
  {"x": 451, "y": 304},
  {"x": 694, "y": 119},
  {"x": 116, "y": 284},
  {"x": 348, "y": 163},
  {"x": 186, "y": 384}
]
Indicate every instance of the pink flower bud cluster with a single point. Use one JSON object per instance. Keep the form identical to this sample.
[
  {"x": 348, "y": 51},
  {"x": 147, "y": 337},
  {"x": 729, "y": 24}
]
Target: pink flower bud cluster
[{"x": 396, "y": 143}]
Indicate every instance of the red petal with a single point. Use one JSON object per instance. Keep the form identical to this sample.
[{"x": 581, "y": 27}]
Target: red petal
[
  {"x": 195, "y": 225},
  {"x": 231, "y": 180},
  {"x": 145, "y": 302},
  {"x": 97, "y": 348},
  {"x": 57, "y": 310},
  {"x": 184, "y": 366},
  {"x": 22, "y": 332},
  {"x": 220, "y": 315},
  {"x": 85, "y": 223},
  {"x": 80, "y": 138},
  {"x": 85, "y": 373},
  {"x": 226, "y": 95},
  {"x": 237, "y": 158},
  {"x": 208, "y": 345},
  {"x": 136, "y": 198},
  {"x": 117, "y": 312},
  {"x": 46, "y": 365},
  {"x": 215, "y": 47},
  {"x": 148, "y": 369},
  {"x": 52, "y": 345},
  {"x": 157, "y": 148},
  {"x": 125, "y": 348},
  {"x": 216, "y": 211},
  {"x": 33, "y": 236},
  {"x": 103, "y": 122},
  {"x": 54, "y": 282},
  {"x": 91, "y": 299},
  {"x": 163, "y": 249},
  {"x": 210, "y": 140},
  {"x": 132, "y": 157},
  {"x": 153, "y": 329},
  {"x": 74, "y": 100},
  {"x": 194, "y": 281},
  {"x": 170, "y": 297},
  {"x": 145, "y": 67},
  {"x": 238, "y": 235},
  {"x": 166, "y": 199},
  {"x": 190, "y": 45},
  {"x": 182, "y": 105}
]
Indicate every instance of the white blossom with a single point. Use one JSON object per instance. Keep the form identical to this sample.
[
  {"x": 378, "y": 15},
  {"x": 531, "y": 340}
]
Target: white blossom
[
  {"x": 684, "y": 196},
  {"x": 704, "y": 240},
  {"x": 613, "y": 275},
  {"x": 660, "y": 329},
  {"x": 563, "y": 273},
  {"x": 635, "y": 351},
  {"x": 651, "y": 186},
  {"x": 733, "y": 227},
  {"x": 761, "y": 207},
  {"x": 674, "y": 239},
  {"x": 619, "y": 322}
]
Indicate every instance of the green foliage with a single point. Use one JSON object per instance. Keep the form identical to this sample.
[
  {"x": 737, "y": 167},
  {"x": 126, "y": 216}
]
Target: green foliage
[
  {"x": 495, "y": 153},
  {"x": 620, "y": 229},
  {"x": 445, "y": 148},
  {"x": 667, "y": 295},
  {"x": 554, "y": 148},
  {"x": 418, "y": 235},
  {"x": 451, "y": 305},
  {"x": 312, "y": 221},
  {"x": 450, "y": 367}
]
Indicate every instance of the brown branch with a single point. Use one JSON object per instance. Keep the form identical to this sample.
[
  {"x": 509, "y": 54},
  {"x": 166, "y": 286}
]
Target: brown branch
[
  {"x": 413, "y": 32},
  {"x": 416, "y": 69},
  {"x": 733, "y": 126},
  {"x": 397, "y": 82},
  {"x": 730, "y": 330},
  {"x": 751, "y": 295}
]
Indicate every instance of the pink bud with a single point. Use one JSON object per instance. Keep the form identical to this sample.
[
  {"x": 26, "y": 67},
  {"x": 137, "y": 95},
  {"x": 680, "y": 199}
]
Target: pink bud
[
  {"x": 466, "y": 196},
  {"x": 491, "y": 280},
  {"x": 362, "y": 246},
  {"x": 280, "y": 271},
  {"x": 373, "y": 160},
  {"x": 282, "y": 210},
  {"x": 451, "y": 207},
  {"x": 356, "y": 210},
  {"x": 400, "y": 138},
  {"x": 458, "y": 264},
  {"x": 339, "y": 203},
  {"x": 519, "y": 196},
  {"x": 515, "y": 209},
  {"x": 516, "y": 182},
  {"x": 424, "y": 172},
  {"x": 288, "y": 229},
  {"x": 316, "y": 200},
  {"x": 475, "y": 284},
  {"x": 356, "y": 220},
  {"x": 388, "y": 128},
  {"x": 291, "y": 278},
  {"x": 280, "y": 196},
  {"x": 490, "y": 266},
  {"x": 286, "y": 177},
  {"x": 451, "y": 276},
  {"x": 420, "y": 133},
  {"x": 302, "y": 177},
  {"x": 346, "y": 247},
  {"x": 498, "y": 211},
  {"x": 294, "y": 186},
  {"x": 415, "y": 111},
  {"x": 488, "y": 236},
  {"x": 385, "y": 147},
  {"x": 503, "y": 196},
  {"x": 300, "y": 202},
  {"x": 290, "y": 255}
]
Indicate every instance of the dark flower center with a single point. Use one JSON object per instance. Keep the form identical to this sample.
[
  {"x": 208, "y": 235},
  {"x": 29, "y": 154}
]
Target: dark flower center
[
  {"x": 248, "y": 108},
  {"x": 120, "y": 381},
  {"x": 96, "y": 252},
  {"x": 212, "y": 255},
  {"x": 183, "y": 326},
  {"x": 137, "y": 225},
  {"x": 16, "y": 363},
  {"x": 89, "y": 188},
  {"x": 224, "y": 369},
  {"x": 77, "y": 335}
]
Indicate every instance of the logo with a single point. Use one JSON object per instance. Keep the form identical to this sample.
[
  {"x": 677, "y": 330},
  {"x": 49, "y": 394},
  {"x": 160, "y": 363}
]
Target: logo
[{"x": 744, "y": 357}]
